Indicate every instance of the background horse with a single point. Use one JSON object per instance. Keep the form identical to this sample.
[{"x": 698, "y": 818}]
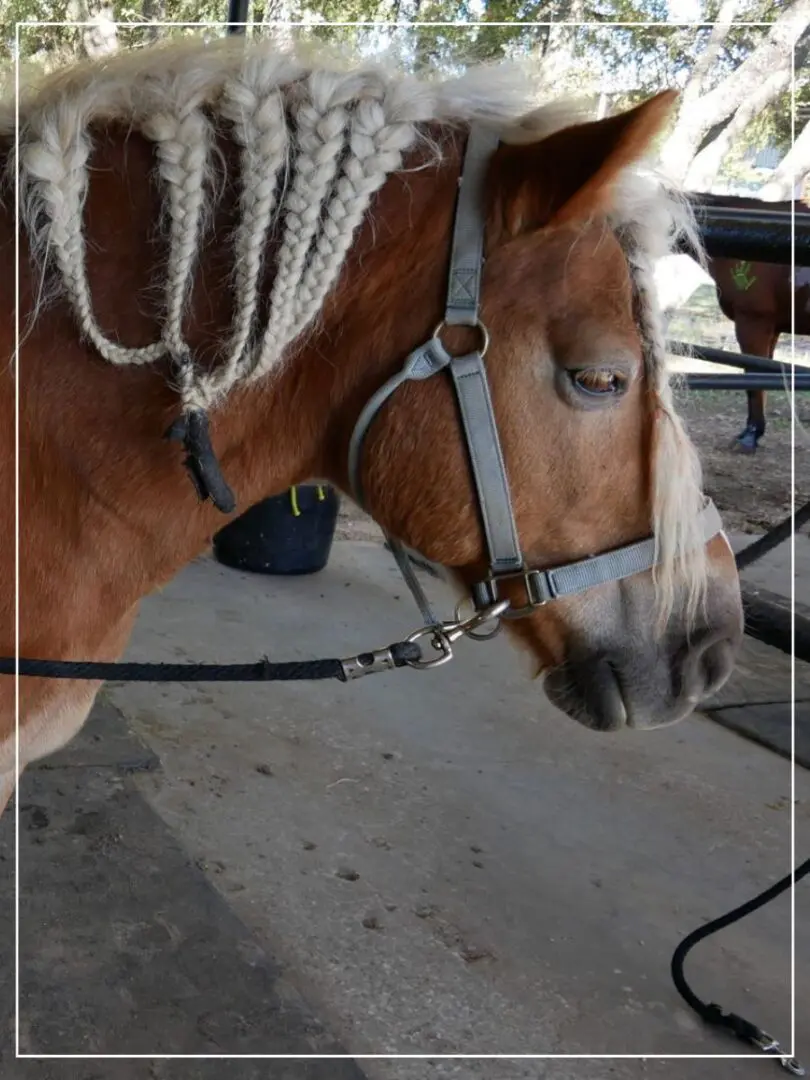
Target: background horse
[
  {"x": 306, "y": 217},
  {"x": 757, "y": 297}
]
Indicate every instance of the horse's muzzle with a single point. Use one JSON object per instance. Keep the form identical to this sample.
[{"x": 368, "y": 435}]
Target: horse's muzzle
[{"x": 608, "y": 690}]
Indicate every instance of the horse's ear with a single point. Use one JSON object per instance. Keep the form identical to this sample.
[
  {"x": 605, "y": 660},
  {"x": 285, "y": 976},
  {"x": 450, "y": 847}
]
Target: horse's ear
[{"x": 569, "y": 176}]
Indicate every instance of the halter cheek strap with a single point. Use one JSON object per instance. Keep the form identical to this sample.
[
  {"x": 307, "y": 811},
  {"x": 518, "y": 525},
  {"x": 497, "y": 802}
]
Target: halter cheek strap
[
  {"x": 468, "y": 374},
  {"x": 469, "y": 380}
]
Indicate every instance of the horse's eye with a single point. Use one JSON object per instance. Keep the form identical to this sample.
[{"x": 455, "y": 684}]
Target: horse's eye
[{"x": 598, "y": 381}]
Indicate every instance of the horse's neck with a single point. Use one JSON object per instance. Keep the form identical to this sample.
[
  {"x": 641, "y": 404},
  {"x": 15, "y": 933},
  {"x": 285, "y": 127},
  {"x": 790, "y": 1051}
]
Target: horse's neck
[{"x": 105, "y": 501}]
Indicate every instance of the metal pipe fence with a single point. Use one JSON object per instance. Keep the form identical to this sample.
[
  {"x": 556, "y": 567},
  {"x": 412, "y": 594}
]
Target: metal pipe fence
[
  {"x": 755, "y": 381},
  {"x": 757, "y": 235},
  {"x": 732, "y": 359},
  {"x": 238, "y": 16}
]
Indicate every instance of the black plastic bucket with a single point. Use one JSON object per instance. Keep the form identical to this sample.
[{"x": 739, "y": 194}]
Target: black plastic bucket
[{"x": 286, "y": 534}]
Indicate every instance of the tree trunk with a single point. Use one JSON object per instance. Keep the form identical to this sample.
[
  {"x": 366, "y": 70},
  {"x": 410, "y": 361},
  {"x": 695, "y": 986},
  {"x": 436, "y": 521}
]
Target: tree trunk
[
  {"x": 791, "y": 171},
  {"x": 559, "y": 69},
  {"x": 153, "y": 11},
  {"x": 770, "y": 61},
  {"x": 275, "y": 20}
]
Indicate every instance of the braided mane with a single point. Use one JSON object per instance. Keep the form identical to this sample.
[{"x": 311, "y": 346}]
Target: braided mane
[{"x": 316, "y": 143}]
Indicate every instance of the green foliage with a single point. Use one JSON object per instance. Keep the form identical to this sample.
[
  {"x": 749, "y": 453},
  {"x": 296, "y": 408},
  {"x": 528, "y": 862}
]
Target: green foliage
[
  {"x": 627, "y": 63},
  {"x": 649, "y": 57}
]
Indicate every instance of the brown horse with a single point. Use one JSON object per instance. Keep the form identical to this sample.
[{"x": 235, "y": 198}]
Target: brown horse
[
  {"x": 757, "y": 298},
  {"x": 321, "y": 202}
]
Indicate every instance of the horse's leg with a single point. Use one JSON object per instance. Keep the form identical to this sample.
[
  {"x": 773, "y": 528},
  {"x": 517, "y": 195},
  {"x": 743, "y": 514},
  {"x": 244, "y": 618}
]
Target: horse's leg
[
  {"x": 45, "y": 732},
  {"x": 55, "y": 712},
  {"x": 757, "y": 338},
  {"x": 746, "y": 441},
  {"x": 6, "y": 789}
]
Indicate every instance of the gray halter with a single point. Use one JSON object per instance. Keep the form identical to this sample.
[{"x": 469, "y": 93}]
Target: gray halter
[{"x": 483, "y": 445}]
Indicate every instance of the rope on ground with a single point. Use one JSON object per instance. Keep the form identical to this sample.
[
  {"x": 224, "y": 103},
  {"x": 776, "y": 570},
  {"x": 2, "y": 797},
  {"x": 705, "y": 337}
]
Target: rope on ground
[{"x": 712, "y": 1013}]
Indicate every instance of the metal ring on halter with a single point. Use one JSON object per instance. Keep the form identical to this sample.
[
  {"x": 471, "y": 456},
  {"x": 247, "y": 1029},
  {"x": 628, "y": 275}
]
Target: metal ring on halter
[
  {"x": 478, "y": 325},
  {"x": 439, "y": 641},
  {"x": 485, "y": 635}
]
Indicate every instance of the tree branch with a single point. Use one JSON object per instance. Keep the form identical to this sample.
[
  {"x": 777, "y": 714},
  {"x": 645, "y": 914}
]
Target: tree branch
[
  {"x": 713, "y": 133},
  {"x": 703, "y": 64},
  {"x": 706, "y": 164},
  {"x": 791, "y": 170},
  {"x": 769, "y": 63},
  {"x": 774, "y": 52}
]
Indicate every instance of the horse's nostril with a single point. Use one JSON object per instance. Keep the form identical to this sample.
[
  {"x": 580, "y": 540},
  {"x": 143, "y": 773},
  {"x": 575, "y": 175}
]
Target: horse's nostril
[{"x": 715, "y": 662}]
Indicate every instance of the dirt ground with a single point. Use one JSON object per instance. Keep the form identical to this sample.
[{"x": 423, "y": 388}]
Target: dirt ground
[{"x": 753, "y": 492}]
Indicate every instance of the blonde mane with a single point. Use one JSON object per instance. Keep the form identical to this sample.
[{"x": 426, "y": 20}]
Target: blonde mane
[{"x": 317, "y": 141}]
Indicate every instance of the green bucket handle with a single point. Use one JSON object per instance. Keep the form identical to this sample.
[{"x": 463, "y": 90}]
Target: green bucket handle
[{"x": 296, "y": 509}]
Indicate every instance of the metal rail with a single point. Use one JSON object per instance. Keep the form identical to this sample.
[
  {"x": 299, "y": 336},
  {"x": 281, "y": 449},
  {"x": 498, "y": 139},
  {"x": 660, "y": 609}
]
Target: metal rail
[
  {"x": 755, "y": 235},
  {"x": 238, "y": 16},
  {"x": 732, "y": 359},
  {"x": 755, "y": 381}
]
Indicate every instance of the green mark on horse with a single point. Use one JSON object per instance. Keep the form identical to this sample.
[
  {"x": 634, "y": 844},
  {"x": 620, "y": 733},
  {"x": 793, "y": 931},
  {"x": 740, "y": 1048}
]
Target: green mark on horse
[{"x": 743, "y": 278}]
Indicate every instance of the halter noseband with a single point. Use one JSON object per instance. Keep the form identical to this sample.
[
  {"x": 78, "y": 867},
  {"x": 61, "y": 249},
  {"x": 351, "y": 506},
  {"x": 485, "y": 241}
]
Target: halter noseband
[{"x": 468, "y": 373}]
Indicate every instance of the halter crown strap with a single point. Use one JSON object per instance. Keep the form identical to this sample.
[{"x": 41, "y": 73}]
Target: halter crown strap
[{"x": 467, "y": 258}]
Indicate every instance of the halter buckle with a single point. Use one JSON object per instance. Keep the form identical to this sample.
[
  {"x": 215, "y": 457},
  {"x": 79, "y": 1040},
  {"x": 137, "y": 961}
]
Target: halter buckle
[{"x": 538, "y": 585}]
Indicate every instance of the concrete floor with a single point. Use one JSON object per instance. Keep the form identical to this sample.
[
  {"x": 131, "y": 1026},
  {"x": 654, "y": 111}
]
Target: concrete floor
[{"x": 441, "y": 862}]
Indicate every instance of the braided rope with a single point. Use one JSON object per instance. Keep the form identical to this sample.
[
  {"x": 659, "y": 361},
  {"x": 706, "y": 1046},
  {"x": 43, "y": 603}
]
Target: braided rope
[{"x": 183, "y": 147}]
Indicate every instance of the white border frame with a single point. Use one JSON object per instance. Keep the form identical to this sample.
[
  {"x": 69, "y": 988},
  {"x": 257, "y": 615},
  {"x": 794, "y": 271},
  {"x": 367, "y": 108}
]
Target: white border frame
[{"x": 225, "y": 25}]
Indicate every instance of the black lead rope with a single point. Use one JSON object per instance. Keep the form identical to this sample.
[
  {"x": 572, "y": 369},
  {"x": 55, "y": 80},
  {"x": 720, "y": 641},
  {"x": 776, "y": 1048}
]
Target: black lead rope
[
  {"x": 712, "y": 1013},
  {"x": 395, "y": 656}
]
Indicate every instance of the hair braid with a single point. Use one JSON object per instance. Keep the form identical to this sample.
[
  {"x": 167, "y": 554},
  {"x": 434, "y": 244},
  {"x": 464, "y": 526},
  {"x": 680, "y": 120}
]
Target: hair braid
[
  {"x": 183, "y": 153},
  {"x": 320, "y": 140},
  {"x": 54, "y": 165},
  {"x": 254, "y": 104},
  {"x": 376, "y": 147}
]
